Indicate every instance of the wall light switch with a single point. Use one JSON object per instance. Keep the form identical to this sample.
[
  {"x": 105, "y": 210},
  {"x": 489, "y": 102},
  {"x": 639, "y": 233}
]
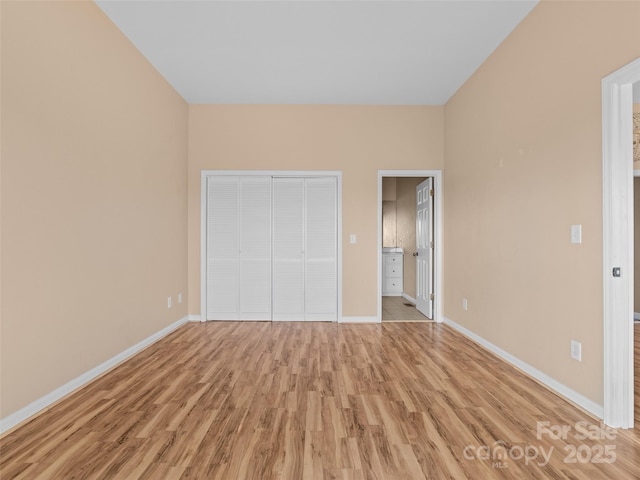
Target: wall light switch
[
  {"x": 576, "y": 350},
  {"x": 576, "y": 233},
  {"x": 180, "y": 298},
  {"x": 169, "y": 302},
  {"x": 352, "y": 238}
]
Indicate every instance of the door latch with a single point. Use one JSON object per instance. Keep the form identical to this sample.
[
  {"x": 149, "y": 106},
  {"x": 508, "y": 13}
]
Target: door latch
[{"x": 616, "y": 271}]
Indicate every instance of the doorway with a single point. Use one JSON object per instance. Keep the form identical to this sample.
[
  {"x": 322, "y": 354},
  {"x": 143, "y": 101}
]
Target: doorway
[
  {"x": 401, "y": 240},
  {"x": 397, "y": 290}
]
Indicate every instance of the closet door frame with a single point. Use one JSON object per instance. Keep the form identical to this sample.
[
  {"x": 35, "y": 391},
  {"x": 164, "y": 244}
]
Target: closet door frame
[{"x": 205, "y": 174}]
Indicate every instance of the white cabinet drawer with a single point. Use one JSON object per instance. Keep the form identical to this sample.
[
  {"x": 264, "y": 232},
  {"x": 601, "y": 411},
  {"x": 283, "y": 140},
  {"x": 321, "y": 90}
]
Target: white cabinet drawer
[
  {"x": 394, "y": 271},
  {"x": 392, "y": 260},
  {"x": 393, "y": 285}
]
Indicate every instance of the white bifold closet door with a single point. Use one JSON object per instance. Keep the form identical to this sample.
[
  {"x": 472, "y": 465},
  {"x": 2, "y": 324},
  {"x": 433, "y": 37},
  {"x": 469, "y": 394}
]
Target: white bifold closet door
[
  {"x": 239, "y": 248},
  {"x": 305, "y": 260}
]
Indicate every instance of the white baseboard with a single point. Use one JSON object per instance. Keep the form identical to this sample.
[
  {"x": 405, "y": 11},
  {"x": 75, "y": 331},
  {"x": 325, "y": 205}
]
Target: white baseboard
[
  {"x": 359, "y": 320},
  {"x": 636, "y": 316},
  {"x": 60, "y": 392},
  {"x": 561, "y": 389},
  {"x": 407, "y": 297},
  {"x": 198, "y": 318}
]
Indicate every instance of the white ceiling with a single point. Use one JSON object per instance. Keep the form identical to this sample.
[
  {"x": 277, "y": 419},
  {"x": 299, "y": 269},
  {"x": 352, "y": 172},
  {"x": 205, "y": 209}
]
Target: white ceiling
[{"x": 317, "y": 52}]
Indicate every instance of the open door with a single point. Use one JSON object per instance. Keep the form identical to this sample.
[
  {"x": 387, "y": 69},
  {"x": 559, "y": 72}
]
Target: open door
[{"x": 424, "y": 244}]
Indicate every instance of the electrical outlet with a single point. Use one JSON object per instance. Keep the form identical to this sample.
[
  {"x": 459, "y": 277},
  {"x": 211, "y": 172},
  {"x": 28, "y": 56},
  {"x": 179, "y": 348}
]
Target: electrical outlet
[
  {"x": 576, "y": 350},
  {"x": 180, "y": 298},
  {"x": 464, "y": 304},
  {"x": 169, "y": 302}
]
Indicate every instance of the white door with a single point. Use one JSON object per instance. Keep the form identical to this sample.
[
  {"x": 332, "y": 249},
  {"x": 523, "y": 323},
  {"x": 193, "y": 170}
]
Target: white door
[
  {"x": 238, "y": 248},
  {"x": 255, "y": 248},
  {"x": 305, "y": 281},
  {"x": 222, "y": 248},
  {"x": 288, "y": 249},
  {"x": 271, "y": 248},
  {"x": 424, "y": 244},
  {"x": 321, "y": 249}
]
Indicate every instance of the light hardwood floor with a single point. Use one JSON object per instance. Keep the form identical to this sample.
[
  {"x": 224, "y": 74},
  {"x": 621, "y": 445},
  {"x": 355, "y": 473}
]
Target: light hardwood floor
[{"x": 236, "y": 400}]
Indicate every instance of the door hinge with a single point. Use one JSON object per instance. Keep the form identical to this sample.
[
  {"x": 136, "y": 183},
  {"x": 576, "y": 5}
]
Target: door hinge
[
  {"x": 431, "y": 296},
  {"x": 431, "y": 192},
  {"x": 431, "y": 244}
]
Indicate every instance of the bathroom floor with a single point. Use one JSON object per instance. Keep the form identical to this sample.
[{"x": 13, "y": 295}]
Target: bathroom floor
[{"x": 398, "y": 309}]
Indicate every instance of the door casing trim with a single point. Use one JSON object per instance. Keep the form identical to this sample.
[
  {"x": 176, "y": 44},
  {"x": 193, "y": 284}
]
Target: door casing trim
[{"x": 617, "y": 226}]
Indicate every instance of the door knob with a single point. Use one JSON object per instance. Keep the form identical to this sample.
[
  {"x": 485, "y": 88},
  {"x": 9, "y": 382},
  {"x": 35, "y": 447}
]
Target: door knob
[{"x": 415, "y": 254}]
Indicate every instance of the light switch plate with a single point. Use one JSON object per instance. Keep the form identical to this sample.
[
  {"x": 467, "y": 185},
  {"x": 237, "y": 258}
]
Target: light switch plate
[
  {"x": 576, "y": 233},
  {"x": 576, "y": 350},
  {"x": 352, "y": 238}
]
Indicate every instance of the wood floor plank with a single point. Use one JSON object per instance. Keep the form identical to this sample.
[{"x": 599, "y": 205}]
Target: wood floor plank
[{"x": 290, "y": 401}]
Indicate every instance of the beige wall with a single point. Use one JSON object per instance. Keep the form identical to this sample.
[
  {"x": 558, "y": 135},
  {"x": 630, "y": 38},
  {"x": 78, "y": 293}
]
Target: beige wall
[
  {"x": 389, "y": 223},
  {"x": 389, "y": 210},
  {"x": 389, "y": 189},
  {"x": 358, "y": 141},
  {"x": 94, "y": 189},
  {"x": 523, "y": 163}
]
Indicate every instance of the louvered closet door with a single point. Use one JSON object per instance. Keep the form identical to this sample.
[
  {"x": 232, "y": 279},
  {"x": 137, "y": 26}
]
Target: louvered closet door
[
  {"x": 222, "y": 248},
  {"x": 255, "y": 248},
  {"x": 321, "y": 258},
  {"x": 239, "y": 248},
  {"x": 305, "y": 249},
  {"x": 288, "y": 249}
]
